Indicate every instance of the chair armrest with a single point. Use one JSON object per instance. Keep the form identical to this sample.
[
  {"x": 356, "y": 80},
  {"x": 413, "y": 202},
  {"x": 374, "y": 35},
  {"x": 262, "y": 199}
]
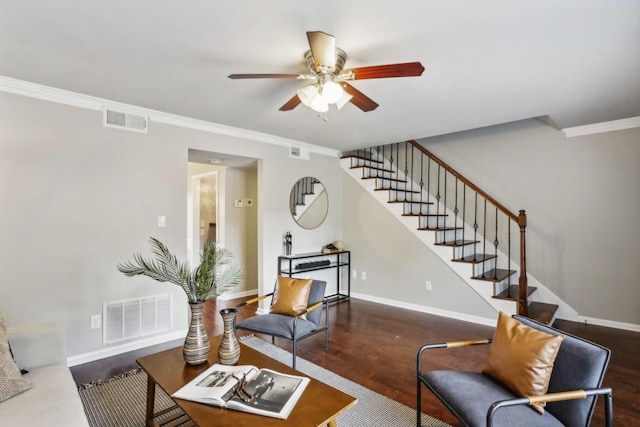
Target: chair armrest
[
  {"x": 450, "y": 344},
  {"x": 253, "y": 300},
  {"x": 36, "y": 345},
  {"x": 313, "y": 307},
  {"x": 557, "y": 397}
]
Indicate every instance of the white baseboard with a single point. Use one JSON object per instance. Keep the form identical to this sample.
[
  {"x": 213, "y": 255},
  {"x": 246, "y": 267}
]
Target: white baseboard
[
  {"x": 430, "y": 310},
  {"x": 79, "y": 359},
  {"x": 484, "y": 321},
  {"x": 240, "y": 294},
  {"x": 609, "y": 323}
]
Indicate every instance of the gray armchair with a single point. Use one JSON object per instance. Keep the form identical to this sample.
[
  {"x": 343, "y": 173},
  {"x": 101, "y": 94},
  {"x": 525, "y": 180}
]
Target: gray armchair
[
  {"x": 294, "y": 328},
  {"x": 476, "y": 399}
]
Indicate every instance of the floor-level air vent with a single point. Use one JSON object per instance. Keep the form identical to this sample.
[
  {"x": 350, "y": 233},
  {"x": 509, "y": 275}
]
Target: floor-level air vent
[
  {"x": 126, "y": 121},
  {"x": 136, "y": 318}
]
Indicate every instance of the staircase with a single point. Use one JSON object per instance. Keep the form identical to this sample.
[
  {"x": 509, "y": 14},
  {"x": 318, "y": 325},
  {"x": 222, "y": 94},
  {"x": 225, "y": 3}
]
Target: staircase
[{"x": 481, "y": 240}]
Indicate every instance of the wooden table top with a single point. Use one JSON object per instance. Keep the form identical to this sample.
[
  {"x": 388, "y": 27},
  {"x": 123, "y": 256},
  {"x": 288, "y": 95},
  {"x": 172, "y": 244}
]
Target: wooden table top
[{"x": 319, "y": 404}]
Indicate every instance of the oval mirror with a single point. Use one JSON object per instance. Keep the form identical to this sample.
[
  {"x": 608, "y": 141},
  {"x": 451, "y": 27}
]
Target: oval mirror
[{"x": 308, "y": 202}]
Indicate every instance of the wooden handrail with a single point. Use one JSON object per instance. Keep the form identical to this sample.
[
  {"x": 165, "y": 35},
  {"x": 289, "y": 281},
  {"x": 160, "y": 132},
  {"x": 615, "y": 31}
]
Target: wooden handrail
[
  {"x": 520, "y": 219},
  {"x": 467, "y": 182}
]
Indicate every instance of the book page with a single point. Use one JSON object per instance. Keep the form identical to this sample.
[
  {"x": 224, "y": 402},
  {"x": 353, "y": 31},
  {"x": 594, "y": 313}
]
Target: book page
[
  {"x": 211, "y": 385},
  {"x": 270, "y": 393}
]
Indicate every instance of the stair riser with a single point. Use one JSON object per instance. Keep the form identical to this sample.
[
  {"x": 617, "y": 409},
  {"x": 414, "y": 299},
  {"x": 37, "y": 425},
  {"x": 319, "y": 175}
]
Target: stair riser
[
  {"x": 433, "y": 221},
  {"x": 394, "y": 185},
  {"x": 417, "y": 209},
  {"x": 402, "y": 196},
  {"x": 466, "y": 250},
  {"x": 366, "y": 163},
  {"x": 374, "y": 173}
]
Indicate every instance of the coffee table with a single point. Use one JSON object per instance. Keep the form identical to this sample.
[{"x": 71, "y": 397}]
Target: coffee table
[{"x": 319, "y": 405}]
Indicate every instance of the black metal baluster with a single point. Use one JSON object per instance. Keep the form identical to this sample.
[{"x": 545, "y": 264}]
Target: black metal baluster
[
  {"x": 438, "y": 200},
  {"x": 496, "y": 243},
  {"x": 475, "y": 226},
  {"x": 484, "y": 236},
  {"x": 455, "y": 212},
  {"x": 464, "y": 212}
]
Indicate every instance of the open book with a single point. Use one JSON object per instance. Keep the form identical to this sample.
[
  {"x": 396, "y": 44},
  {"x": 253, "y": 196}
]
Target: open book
[{"x": 246, "y": 388}]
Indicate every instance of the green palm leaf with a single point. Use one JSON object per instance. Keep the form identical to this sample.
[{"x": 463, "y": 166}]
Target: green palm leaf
[{"x": 213, "y": 276}]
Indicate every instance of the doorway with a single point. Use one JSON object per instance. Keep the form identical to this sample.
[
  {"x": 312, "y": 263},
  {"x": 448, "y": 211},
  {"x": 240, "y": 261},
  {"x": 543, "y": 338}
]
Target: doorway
[{"x": 206, "y": 224}]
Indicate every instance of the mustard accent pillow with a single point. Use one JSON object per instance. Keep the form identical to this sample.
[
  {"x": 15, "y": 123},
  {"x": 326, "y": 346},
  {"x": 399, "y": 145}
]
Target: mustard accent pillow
[
  {"x": 291, "y": 296},
  {"x": 521, "y": 358},
  {"x": 11, "y": 381}
]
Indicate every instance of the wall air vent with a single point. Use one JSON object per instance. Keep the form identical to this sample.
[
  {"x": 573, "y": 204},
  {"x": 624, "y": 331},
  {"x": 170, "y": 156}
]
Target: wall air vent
[
  {"x": 127, "y": 121},
  {"x": 298, "y": 152},
  {"x": 136, "y": 318}
]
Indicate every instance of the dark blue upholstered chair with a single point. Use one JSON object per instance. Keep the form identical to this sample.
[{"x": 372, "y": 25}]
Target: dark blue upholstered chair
[
  {"x": 477, "y": 400},
  {"x": 292, "y": 328}
]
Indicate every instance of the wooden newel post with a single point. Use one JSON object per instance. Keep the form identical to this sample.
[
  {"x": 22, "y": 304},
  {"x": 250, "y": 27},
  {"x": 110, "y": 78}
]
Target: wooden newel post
[{"x": 522, "y": 281}]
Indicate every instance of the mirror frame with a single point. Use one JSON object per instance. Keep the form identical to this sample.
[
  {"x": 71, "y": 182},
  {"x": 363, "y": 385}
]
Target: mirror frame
[{"x": 308, "y": 203}]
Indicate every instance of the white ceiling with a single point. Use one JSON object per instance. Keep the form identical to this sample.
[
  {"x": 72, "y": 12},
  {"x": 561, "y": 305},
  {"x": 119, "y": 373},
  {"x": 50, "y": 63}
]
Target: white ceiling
[{"x": 487, "y": 62}]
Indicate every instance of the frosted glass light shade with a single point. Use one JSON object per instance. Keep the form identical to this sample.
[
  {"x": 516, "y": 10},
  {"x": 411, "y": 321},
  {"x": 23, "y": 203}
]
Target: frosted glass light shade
[
  {"x": 319, "y": 104},
  {"x": 332, "y": 92},
  {"x": 307, "y": 94},
  {"x": 344, "y": 100}
]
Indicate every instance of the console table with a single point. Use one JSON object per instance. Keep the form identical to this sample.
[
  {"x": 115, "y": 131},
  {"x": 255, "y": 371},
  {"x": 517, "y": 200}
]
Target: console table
[{"x": 288, "y": 265}]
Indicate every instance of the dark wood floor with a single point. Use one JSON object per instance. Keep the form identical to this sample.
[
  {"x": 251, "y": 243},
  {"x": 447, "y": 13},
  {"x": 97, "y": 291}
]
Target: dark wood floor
[{"x": 375, "y": 345}]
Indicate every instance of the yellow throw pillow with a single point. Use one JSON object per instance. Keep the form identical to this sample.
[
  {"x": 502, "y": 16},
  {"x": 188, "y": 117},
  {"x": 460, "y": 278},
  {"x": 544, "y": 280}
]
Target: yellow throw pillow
[
  {"x": 521, "y": 358},
  {"x": 291, "y": 296}
]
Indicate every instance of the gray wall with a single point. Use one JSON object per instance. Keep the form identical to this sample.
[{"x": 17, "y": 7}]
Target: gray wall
[
  {"x": 582, "y": 200},
  {"x": 78, "y": 198}
]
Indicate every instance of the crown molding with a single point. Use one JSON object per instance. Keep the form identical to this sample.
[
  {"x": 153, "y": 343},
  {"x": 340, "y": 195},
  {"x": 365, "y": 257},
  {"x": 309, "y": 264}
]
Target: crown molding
[
  {"x": 60, "y": 96},
  {"x": 632, "y": 122}
]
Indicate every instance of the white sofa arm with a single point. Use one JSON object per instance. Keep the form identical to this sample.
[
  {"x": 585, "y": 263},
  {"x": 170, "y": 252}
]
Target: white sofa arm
[{"x": 38, "y": 344}]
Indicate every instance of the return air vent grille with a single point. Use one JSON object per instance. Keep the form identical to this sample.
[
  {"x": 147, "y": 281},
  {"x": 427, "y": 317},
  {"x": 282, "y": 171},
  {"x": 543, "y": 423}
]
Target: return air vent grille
[
  {"x": 126, "y": 121},
  {"x": 136, "y": 318},
  {"x": 298, "y": 152}
]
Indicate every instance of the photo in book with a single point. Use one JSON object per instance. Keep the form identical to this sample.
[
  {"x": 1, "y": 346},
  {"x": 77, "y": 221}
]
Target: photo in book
[{"x": 246, "y": 388}]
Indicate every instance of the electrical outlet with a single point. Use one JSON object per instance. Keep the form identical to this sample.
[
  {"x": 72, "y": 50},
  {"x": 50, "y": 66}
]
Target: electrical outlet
[
  {"x": 363, "y": 275},
  {"x": 354, "y": 274},
  {"x": 96, "y": 321},
  {"x": 427, "y": 285}
]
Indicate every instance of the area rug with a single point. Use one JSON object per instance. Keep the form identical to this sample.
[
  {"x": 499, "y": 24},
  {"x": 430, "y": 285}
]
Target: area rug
[{"x": 120, "y": 401}]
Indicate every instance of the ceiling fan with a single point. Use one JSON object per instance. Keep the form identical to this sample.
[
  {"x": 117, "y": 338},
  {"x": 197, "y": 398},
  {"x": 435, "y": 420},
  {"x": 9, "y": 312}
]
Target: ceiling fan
[{"x": 326, "y": 69}]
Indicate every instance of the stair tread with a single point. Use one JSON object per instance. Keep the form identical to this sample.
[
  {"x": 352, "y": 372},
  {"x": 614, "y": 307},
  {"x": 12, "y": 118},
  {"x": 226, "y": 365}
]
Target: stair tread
[
  {"x": 425, "y": 215},
  {"x": 542, "y": 312},
  {"x": 354, "y": 156},
  {"x": 475, "y": 258},
  {"x": 457, "y": 243},
  {"x": 439, "y": 229},
  {"x": 385, "y": 179},
  {"x": 511, "y": 293},
  {"x": 372, "y": 168},
  {"x": 495, "y": 275},
  {"x": 397, "y": 189},
  {"x": 410, "y": 203}
]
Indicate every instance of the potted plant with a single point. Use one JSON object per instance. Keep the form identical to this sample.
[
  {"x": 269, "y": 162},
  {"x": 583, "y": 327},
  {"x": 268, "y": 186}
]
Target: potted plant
[{"x": 210, "y": 278}]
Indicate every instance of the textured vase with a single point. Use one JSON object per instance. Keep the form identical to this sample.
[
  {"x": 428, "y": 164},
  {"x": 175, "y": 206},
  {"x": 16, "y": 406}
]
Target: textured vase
[
  {"x": 229, "y": 350},
  {"x": 196, "y": 344}
]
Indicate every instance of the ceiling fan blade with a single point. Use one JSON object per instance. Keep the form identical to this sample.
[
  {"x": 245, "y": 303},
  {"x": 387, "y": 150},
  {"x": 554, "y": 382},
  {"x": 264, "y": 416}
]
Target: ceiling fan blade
[
  {"x": 323, "y": 48},
  {"x": 263, "y": 76},
  {"x": 408, "y": 69},
  {"x": 359, "y": 99},
  {"x": 291, "y": 104}
]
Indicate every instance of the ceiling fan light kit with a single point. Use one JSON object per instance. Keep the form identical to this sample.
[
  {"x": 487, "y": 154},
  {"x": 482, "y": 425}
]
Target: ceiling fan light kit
[{"x": 325, "y": 63}]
